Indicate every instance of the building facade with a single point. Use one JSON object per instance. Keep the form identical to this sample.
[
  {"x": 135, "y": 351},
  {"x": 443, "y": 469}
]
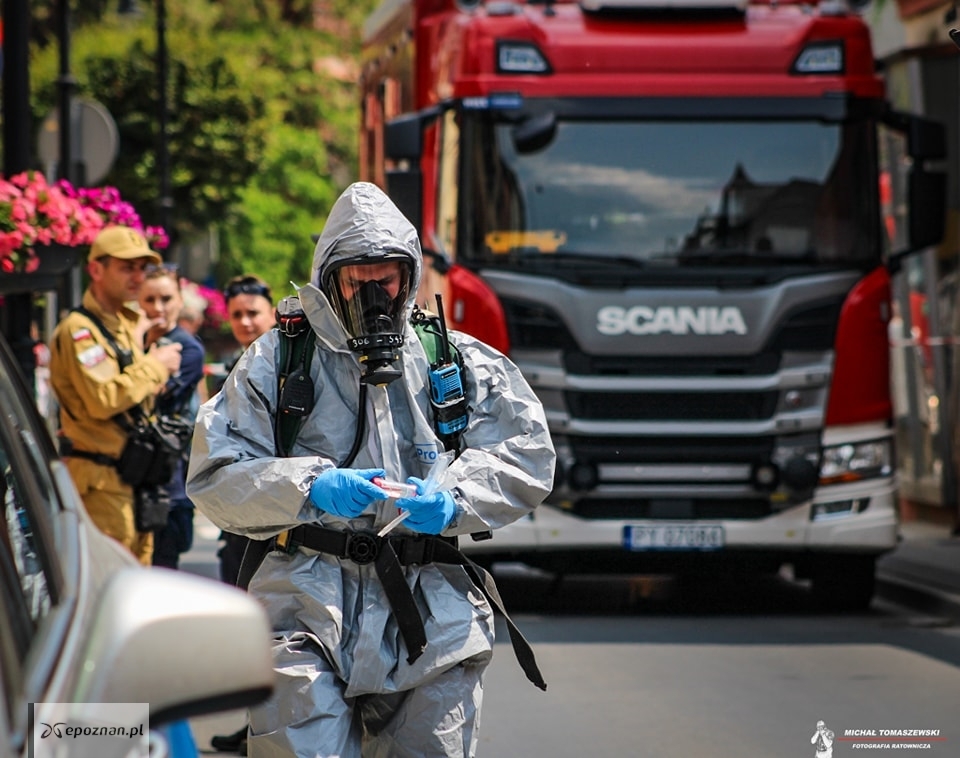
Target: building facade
[{"x": 921, "y": 64}]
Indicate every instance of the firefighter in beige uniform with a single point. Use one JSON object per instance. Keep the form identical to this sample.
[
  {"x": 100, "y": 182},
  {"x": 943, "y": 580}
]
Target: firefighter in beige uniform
[{"x": 91, "y": 388}]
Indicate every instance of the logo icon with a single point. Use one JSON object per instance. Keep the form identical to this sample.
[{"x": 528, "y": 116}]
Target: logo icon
[
  {"x": 427, "y": 452},
  {"x": 822, "y": 741},
  {"x": 55, "y": 729},
  {"x": 613, "y": 320}
]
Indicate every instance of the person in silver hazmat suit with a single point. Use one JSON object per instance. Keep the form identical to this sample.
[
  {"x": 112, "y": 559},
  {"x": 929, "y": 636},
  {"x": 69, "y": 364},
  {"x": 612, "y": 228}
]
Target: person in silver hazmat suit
[{"x": 348, "y": 682}]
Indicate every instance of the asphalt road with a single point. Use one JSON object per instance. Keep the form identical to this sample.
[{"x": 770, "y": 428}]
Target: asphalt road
[{"x": 639, "y": 666}]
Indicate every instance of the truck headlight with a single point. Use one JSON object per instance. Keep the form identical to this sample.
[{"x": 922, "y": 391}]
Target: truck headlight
[
  {"x": 821, "y": 57},
  {"x": 520, "y": 58},
  {"x": 855, "y": 461}
]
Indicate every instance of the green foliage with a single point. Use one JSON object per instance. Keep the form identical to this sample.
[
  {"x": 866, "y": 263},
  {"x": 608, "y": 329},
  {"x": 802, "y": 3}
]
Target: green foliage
[
  {"x": 263, "y": 117},
  {"x": 214, "y": 139},
  {"x": 282, "y": 206},
  {"x": 214, "y": 130}
]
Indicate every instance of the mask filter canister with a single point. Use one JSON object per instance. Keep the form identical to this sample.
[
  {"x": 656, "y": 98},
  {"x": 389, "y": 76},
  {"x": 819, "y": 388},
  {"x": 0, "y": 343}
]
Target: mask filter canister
[{"x": 379, "y": 342}]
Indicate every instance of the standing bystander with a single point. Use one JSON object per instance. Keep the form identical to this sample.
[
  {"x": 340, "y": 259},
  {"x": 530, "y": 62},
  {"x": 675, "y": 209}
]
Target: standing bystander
[
  {"x": 191, "y": 319},
  {"x": 250, "y": 310},
  {"x": 97, "y": 376},
  {"x": 161, "y": 300},
  {"x": 251, "y": 313}
]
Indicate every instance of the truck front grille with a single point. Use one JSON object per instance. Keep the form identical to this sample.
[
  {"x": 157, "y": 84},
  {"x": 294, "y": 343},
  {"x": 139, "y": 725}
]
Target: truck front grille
[
  {"x": 671, "y": 449},
  {"x": 681, "y": 509},
  {"x": 673, "y": 406},
  {"x": 579, "y": 363}
]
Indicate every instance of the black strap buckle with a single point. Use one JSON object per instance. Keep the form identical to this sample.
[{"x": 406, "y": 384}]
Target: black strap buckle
[
  {"x": 414, "y": 551},
  {"x": 362, "y": 547},
  {"x": 291, "y": 320},
  {"x": 293, "y": 325},
  {"x": 286, "y": 541}
]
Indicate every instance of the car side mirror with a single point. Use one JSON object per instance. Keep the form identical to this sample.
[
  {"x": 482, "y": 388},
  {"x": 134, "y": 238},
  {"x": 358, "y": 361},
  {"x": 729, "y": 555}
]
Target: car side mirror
[{"x": 188, "y": 645}]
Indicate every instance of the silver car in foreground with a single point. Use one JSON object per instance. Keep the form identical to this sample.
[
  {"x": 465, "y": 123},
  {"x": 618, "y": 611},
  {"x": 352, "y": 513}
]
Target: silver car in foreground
[{"x": 81, "y": 622}]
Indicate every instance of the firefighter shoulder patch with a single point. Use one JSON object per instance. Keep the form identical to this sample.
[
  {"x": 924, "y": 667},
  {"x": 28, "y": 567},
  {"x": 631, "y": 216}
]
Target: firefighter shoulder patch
[{"x": 92, "y": 356}]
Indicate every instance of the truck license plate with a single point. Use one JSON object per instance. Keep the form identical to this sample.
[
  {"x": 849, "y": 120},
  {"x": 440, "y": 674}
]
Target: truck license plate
[{"x": 673, "y": 537}]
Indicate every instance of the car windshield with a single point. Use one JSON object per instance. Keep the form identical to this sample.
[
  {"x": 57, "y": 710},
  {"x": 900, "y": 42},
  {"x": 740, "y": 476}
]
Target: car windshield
[{"x": 668, "y": 193}]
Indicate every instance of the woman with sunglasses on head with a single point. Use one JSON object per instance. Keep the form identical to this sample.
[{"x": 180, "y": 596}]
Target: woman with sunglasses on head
[
  {"x": 161, "y": 300},
  {"x": 249, "y": 308},
  {"x": 251, "y": 313}
]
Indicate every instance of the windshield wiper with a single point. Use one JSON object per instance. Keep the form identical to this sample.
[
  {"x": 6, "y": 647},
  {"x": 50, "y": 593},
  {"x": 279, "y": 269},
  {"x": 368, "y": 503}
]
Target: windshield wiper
[
  {"x": 729, "y": 257},
  {"x": 582, "y": 259}
]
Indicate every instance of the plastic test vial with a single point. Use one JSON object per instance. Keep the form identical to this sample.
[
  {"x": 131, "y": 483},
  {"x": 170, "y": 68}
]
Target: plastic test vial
[{"x": 395, "y": 489}]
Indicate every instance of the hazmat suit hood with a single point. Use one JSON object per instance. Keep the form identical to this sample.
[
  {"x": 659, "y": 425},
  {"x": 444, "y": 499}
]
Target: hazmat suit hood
[{"x": 364, "y": 227}]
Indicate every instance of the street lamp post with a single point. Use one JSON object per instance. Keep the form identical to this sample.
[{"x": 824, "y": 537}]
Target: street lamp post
[
  {"x": 66, "y": 84},
  {"x": 165, "y": 200},
  {"x": 16, "y": 159},
  {"x": 67, "y": 167},
  {"x": 163, "y": 148},
  {"x": 16, "y": 86}
]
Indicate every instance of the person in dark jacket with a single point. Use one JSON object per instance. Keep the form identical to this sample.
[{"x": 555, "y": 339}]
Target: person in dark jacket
[
  {"x": 251, "y": 314},
  {"x": 161, "y": 300}
]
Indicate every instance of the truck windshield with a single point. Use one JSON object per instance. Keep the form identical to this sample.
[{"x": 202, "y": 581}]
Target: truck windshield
[{"x": 669, "y": 193}]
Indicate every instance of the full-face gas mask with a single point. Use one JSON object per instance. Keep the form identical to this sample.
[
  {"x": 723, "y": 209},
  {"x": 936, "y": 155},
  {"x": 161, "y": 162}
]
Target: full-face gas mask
[{"x": 369, "y": 296}]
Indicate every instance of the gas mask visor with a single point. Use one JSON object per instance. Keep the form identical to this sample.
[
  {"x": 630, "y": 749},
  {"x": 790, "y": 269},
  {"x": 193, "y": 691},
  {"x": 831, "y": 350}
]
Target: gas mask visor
[{"x": 369, "y": 298}]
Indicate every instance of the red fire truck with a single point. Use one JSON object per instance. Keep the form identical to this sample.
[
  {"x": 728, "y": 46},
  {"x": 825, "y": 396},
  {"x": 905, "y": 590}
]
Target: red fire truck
[{"x": 668, "y": 213}]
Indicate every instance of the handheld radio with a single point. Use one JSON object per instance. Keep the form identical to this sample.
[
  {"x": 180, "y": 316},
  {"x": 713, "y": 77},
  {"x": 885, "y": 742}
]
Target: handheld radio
[{"x": 446, "y": 385}]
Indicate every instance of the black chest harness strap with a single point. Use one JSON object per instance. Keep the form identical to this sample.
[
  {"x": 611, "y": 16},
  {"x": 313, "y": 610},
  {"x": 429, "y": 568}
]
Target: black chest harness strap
[
  {"x": 389, "y": 555},
  {"x": 124, "y": 359}
]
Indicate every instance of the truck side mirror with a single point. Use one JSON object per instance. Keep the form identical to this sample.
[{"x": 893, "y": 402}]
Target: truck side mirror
[
  {"x": 405, "y": 188},
  {"x": 925, "y": 187},
  {"x": 535, "y": 133},
  {"x": 927, "y": 192},
  {"x": 926, "y": 140},
  {"x": 403, "y": 137},
  {"x": 403, "y": 143}
]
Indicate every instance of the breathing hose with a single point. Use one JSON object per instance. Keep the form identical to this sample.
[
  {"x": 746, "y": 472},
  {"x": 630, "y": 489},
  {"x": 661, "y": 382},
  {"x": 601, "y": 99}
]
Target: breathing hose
[{"x": 358, "y": 436}]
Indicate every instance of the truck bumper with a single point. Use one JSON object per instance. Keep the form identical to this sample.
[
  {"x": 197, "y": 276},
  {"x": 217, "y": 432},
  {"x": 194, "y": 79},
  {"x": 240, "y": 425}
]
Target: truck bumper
[{"x": 855, "y": 518}]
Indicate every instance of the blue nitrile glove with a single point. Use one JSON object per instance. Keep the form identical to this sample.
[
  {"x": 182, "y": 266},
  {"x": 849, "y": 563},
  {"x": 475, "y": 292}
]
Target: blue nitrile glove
[
  {"x": 346, "y": 492},
  {"x": 429, "y": 514}
]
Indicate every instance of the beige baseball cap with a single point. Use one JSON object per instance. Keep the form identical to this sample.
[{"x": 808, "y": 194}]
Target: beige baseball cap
[{"x": 122, "y": 242}]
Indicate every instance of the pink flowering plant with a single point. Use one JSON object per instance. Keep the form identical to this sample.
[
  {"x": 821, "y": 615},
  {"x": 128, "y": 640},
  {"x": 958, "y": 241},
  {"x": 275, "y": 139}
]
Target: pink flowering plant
[
  {"x": 33, "y": 212},
  {"x": 208, "y": 301},
  {"x": 216, "y": 316}
]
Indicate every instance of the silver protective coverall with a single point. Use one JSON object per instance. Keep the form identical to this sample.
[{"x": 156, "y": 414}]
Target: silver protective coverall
[{"x": 344, "y": 684}]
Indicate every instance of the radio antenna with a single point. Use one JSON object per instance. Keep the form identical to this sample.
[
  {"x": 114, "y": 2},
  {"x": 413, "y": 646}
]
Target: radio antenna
[{"x": 445, "y": 345}]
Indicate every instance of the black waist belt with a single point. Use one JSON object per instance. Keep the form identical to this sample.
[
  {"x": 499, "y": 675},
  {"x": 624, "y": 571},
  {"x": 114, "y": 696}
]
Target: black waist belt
[
  {"x": 388, "y": 554},
  {"x": 362, "y": 547}
]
